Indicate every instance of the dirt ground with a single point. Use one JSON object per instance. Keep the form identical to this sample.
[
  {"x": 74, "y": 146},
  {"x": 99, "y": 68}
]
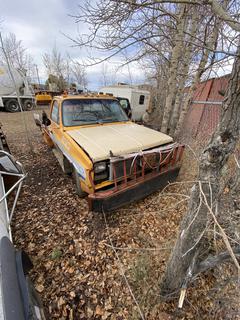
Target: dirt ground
[{"x": 85, "y": 264}]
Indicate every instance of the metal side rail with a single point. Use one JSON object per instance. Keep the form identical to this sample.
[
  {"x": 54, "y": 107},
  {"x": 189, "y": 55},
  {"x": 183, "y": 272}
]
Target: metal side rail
[{"x": 11, "y": 178}]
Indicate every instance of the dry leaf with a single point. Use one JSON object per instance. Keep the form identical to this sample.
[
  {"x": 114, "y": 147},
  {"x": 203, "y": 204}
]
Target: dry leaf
[
  {"x": 39, "y": 288},
  {"x": 99, "y": 311}
]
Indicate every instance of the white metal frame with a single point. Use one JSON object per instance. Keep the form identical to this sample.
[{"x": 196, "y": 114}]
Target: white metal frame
[{"x": 17, "y": 186}]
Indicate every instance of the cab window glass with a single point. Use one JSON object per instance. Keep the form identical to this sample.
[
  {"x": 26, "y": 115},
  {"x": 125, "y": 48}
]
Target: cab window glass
[
  {"x": 141, "y": 99},
  {"x": 55, "y": 112},
  {"x": 76, "y": 112},
  {"x": 123, "y": 103}
]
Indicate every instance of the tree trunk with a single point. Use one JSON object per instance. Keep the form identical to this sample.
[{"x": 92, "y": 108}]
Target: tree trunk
[
  {"x": 160, "y": 95},
  {"x": 191, "y": 239},
  {"x": 184, "y": 71},
  {"x": 201, "y": 68},
  {"x": 172, "y": 81}
]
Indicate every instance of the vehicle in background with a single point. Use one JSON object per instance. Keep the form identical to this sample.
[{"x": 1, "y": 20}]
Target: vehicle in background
[
  {"x": 8, "y": 94},
  {"x": 18, "y": 298},
  {"x": 45, "y": 96},
  {"x": 134, "y": 101},
  {"x": 112, "y": 159}
]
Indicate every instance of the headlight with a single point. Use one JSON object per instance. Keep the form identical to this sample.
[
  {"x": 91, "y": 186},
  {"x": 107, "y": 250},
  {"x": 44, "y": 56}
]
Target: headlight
[{"x": 99, "y": 167}]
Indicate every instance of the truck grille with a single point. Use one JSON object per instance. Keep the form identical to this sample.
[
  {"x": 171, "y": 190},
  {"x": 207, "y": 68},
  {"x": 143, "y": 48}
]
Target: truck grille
[
  {"x": 123, "y": 167},
  {"x": 138, "y": 164}
]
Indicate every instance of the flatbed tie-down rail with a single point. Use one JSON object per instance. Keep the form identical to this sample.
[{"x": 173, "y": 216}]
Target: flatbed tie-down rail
[{"x": 141, "y": 175}]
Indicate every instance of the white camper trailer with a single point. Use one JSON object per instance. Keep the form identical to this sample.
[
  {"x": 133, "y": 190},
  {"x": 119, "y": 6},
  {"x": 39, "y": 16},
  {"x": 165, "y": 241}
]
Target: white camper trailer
[{"x": 128, "y": 95}]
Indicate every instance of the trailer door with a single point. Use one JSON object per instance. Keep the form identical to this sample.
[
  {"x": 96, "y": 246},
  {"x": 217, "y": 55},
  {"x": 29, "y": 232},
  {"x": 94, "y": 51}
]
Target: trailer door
[{"x": 138, "y": 105}]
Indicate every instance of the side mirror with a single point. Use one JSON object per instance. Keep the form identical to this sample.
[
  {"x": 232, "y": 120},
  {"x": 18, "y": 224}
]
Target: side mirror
[
  {"x": 47, "y": 122},
  {"x": 37, "y": 120},
  {"x": 8, "y": 164}
]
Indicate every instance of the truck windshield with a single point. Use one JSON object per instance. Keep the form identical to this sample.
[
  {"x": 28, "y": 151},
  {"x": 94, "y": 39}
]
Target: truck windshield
[{"x": 88, "y": 111}]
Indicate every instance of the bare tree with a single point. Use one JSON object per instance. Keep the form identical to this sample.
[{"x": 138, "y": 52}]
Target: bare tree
[
  {"x": 183, "y": 34},
  {"x": 104, "y": 74},
  {"x": 184, "y": 68},
  {"x": 17, "y": 54},
  {"x": 78, "y": 73},
  {"x": 57, "y": 66},
  {"x": 54, "y": 62},
  {"x": 157, "y": 75},
  {"x": 205, "y": 195},
  {"x": 174, "y": 64}
]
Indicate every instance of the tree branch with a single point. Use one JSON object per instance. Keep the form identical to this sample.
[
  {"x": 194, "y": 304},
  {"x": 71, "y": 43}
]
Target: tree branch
[
  {"x": 213, "y": 261},
  {"x": 222, "y": 14}
]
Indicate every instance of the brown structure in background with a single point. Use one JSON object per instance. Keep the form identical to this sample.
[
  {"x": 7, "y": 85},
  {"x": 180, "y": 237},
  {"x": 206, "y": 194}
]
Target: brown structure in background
[{"x": 204, "y": 112}]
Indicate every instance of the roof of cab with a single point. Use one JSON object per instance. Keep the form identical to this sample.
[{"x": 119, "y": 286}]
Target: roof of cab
[{"x": 85, "y": 96}]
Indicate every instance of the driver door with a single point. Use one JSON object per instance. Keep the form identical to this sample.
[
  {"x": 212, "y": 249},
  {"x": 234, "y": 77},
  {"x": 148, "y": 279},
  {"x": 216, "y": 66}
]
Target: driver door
[{"x": 55, "y": 122}]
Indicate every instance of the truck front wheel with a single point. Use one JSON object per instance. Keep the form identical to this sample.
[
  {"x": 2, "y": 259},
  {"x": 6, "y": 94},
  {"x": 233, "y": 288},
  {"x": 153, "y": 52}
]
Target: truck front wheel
[
  {"x": 78, "y": 187},
  {"x": 12, "y": 105}
]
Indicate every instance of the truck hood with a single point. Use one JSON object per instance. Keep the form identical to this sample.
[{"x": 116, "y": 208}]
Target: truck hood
[{"x": 120, "y": 139}]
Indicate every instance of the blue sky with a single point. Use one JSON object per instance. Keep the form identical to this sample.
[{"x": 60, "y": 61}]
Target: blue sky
[{"x": 40, "y": 24}]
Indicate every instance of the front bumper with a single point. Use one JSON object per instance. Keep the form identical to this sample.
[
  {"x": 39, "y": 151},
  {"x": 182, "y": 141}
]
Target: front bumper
[{"x": 135, "y": 190}]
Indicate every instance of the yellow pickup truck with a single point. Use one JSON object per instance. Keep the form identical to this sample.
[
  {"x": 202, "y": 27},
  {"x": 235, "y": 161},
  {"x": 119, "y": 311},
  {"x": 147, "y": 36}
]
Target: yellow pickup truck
[{"x": 112, "y": 160}]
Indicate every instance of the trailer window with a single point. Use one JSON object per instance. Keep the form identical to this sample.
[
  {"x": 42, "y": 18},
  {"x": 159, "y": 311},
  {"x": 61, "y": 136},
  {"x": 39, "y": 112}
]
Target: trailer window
[
  {"x": 55, "y": 112},
  {"x": 141, "y": 99}
]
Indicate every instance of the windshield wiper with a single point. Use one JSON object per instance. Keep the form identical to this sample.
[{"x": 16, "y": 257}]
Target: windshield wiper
[
  {"x": 89, "y": 121},
  {"x": 83, "y": 120},
  {"x": 114, "y": 120}
]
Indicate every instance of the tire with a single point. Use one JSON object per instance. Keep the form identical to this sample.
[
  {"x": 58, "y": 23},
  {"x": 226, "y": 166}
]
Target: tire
[
  {"x": 67, "y": 167},
  {"x": 78, "y": 187},
  {"x": 12, "y": 105},
  {"x": 28, "y": 105}
]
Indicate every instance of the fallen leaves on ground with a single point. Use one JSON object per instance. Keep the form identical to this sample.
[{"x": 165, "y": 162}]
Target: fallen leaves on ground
[{"x": 76, "y": 271}]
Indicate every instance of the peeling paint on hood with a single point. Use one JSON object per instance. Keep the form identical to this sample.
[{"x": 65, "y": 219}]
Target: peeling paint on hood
[{"x": 122, "y": 138}]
